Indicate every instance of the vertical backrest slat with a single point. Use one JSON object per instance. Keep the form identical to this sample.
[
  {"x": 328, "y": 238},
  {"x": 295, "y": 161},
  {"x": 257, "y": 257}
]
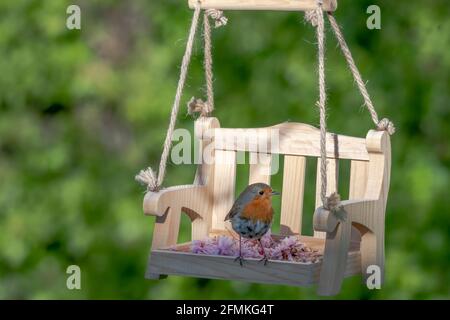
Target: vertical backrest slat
[
  {"x": 224, "y": 186},
  {"x": 204, "y": 176},
  {"x": 358, "y": 179},
  {"x": 332, "y": 184},
  {"x": 260, "y": 166},
  {"x": 292, "y": 195},
  {"x": 358, "y": 185}
]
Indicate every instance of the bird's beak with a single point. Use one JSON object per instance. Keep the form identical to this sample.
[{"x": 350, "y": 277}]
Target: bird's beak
[{"x": 275, "y": 193}]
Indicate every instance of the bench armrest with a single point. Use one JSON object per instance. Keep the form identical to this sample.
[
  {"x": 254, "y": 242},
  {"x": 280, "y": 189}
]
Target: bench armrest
[
  {"x": 355, "y": 210},
  {"x": 187, "y": 196},
  {"x": 338, "y": 228}
]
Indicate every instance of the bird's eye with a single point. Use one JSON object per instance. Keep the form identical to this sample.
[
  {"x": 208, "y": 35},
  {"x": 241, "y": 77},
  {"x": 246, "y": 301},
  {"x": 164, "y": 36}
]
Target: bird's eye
[{"x": 261, "y": 192}]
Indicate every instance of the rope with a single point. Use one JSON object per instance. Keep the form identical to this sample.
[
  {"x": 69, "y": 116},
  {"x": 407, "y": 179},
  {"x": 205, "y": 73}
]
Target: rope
[
  {"x": 218, "y": 17},
  {"x": 322, "y": 103},
  {"x": 332, "y": 202},
  {"x": 198, "y": 105},
  {"x": 384, "y": 124},
  {"x": 208, "y": 62},
  {"x": 315, "y": 17},
  {"x": 148, "y": 176}
]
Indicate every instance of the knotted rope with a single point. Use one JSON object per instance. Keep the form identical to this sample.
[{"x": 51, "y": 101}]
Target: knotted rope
[
  {"x": 315, "y": 17},
  {"x": 320, "y": 30},
  {"x": 148, "y": 176},
  {"x": 217, "y": 16},
  {"x": 198, "y": 105},
  {"x": 384, "y": 124}
]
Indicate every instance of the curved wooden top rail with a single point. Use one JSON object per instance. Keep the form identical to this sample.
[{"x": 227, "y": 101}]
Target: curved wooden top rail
[
  {"x": 278, "y": 5},
  {"x": 293, "y": 139}
]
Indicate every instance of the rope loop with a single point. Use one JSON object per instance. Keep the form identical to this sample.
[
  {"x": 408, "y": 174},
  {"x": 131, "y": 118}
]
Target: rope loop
[
  {"x": 333, "y": 202},
  {"x": 198, "y": 106},
  {"x": 311, "y": 16},
  {"x": 386, "y": 125},
  {"x": 218, "y": 17},
  {"x": 148, "y": 177}
]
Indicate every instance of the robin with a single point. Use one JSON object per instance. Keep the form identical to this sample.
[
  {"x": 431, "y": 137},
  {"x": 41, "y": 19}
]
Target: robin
[{"x": 251, "y": 215}]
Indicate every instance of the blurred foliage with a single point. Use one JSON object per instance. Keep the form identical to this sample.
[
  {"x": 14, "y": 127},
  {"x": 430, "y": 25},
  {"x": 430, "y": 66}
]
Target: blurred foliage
[{"x": 82, "y": 111}]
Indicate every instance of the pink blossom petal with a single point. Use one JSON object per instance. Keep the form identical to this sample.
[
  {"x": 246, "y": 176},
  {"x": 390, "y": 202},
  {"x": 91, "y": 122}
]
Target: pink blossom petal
[{"x": 288, "y": 248}]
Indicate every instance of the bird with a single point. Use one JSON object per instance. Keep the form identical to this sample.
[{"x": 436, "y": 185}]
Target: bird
[{"x": 251, "y": 215}]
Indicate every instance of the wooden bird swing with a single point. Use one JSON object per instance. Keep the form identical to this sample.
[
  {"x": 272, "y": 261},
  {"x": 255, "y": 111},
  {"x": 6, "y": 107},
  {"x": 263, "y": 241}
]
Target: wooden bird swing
[{"x": 349, "y": 234}]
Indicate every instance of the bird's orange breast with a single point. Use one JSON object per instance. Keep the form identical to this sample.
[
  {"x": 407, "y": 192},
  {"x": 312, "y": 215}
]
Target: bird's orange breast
[{"x": 258, "y": 209}]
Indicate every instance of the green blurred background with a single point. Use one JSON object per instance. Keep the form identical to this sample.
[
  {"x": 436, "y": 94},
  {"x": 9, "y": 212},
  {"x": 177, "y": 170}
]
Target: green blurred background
[{"x": 81, "y": 112}]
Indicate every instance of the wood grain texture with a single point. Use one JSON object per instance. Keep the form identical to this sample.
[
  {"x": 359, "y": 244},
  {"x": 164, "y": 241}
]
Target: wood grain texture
[
  {"x": 204, "y": 176},
  {"x": 168, "y": 204},
  {"x": 358, "y": 183},
  {"x": 194, "y": 200},
  {"x": 224, "y": 187},
  {"x": 165, "y": 232},
  {"x": 283, "y": 5},
  {"x": 260, "y": 167},
  {"x": 205, "y": 170},
  {"x": 358, "y": 179},
  {"x": 332, "y": 184},
  {"x": 208, "y": 202},
  {"x": 289, "y": 139},
  {"x": 371, "y": 220},
  {"x": 335, "y": 259},
  {"x": 367, "y": 215},
  {"x": 221, "y": 267},
  {"x": 292, "y": 195}
]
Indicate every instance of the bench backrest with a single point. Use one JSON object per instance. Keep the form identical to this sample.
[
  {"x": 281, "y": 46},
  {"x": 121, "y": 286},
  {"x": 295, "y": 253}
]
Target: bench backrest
[{"x": 369, "y": 173}]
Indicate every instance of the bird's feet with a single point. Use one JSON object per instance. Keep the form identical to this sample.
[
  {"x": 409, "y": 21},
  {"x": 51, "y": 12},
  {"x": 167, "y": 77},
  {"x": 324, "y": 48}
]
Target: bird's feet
[
  {"x": 240, "y": 259},
  {"x": 265, "y": 260}
]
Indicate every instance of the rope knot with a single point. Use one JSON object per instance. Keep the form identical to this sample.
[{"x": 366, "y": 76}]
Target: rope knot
[
  {"x": 218, "y": 17},
  {"x": 386, "y": 125},
  {"x": 198, "y": 106},
  {"x": 148, "y": 177},
  {"x": 333, "y": 204},
  {"x": 312, "y": 17}
]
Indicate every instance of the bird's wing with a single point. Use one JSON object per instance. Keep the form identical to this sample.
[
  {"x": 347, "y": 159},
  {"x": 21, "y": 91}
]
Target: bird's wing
[
  {"x": 240, "y": 202},
  {"x": 233, "y": 211}
]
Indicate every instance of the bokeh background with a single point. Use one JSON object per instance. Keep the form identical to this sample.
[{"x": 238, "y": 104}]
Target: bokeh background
[{"x": 81, "y": 112}]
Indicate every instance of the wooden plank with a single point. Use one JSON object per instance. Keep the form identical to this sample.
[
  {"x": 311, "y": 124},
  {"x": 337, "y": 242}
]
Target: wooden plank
[
  {"x": 379, "y": 171},
  {"x": 260, "y": 166},
  {"x": 165, "y": 232},
  {"x": 367, "y": 215},
  {"x": 195, "y": 201},
  {"x": 358, "y": 179},
  {"x": 368, "y": 218},
  {"x": 332, "y": 179},
  {"x": 335, "y": 258},
  {"x": 290, "y": 139},
  {"x": 222, "y": 267},
  {"x": 205, "y": 168},
  {"x": 204, "y": 176},
  {"x": 283, "y": 5},
  {"x": 224, "y": 187},
  {"x": 358, "y": 183},
  {"x": 292, "y": 195},
  {"x": 332, "y": 185},
  {"x": 353, "y": 267}
]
